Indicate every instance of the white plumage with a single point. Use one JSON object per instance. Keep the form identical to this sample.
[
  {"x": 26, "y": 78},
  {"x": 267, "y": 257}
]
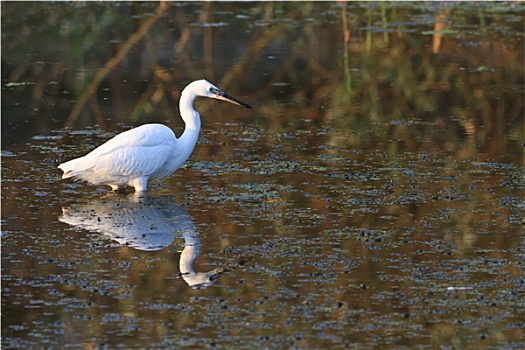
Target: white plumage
[{"x": 149, "y": 151}]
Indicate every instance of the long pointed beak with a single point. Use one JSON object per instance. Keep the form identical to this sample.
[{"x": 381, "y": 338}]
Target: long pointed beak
[{"x": 225, "y": 97}]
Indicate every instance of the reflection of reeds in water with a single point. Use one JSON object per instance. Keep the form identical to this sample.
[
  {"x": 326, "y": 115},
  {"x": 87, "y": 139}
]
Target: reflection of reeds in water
[
  {"x": 289, "y": 61},
  {"x": 113, "y": 62},
  {"x": 346, "y": 40}
]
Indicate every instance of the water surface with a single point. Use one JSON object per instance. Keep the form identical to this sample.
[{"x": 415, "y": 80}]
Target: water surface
[{"x": 372, "y": 199}]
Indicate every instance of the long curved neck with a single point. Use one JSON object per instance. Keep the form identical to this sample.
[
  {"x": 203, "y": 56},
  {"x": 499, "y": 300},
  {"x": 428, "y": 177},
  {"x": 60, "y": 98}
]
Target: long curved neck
[{"x": 191, "y": 119}]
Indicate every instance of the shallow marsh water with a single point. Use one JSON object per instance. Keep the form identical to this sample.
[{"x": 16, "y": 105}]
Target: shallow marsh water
[{"x": 379, "y": 205}]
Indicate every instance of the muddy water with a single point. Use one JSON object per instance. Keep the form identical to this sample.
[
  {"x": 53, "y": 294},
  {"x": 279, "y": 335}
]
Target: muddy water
[{"x": 325, "y": 218}]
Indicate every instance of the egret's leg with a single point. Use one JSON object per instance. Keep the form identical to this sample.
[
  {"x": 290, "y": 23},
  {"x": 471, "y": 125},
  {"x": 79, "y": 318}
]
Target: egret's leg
[
  {"x": 140, "y": 189},
  {"x": 140, "y": 184}
]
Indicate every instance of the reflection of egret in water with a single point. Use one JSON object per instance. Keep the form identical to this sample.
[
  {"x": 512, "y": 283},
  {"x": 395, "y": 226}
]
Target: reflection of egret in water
[
  {"x": 192, "y": 248},
  {"x": 150, "y": 224}
]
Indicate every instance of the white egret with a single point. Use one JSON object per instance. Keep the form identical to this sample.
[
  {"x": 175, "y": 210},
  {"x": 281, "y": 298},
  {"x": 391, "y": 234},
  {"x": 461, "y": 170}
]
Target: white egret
[{"x": 148, "y": 151}]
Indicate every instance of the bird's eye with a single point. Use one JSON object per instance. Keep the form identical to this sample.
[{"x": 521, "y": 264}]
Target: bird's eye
[{"x": 215, "y": 91}]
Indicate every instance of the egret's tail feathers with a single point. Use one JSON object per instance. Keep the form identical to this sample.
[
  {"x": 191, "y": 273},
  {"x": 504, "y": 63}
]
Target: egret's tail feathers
[
  {"x": 68, "y": 174},
  {"x": 74, "y": 168}
]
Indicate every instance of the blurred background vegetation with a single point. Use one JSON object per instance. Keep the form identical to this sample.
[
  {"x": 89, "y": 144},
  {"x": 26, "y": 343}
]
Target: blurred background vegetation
[{"x": 448, "y": 76}]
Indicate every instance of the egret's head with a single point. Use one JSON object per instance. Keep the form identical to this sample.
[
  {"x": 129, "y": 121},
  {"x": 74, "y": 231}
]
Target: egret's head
[{"x": 206, "y": 89}]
